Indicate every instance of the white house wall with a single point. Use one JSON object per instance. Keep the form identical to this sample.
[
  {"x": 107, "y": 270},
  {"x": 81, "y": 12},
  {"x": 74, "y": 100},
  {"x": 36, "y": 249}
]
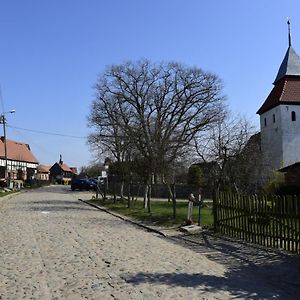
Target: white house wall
[{"x": 14, "y": 164}]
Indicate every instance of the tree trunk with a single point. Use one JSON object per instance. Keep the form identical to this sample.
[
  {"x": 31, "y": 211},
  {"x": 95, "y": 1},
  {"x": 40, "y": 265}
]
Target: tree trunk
[
  {"x": 172, "y": 193},
  {"x": 146, "y": 196},
  {"x": 149, "y": 198},
  {"x": 132, "y": 192},
  {"x": 174, "y": 201},
  {"x": 169, "y": 195},
  {"x": 122, "y": 190},
  {"x": 114, "y": 187},
  {"x": 138, "y": 192},
  {"x": 128, "y": 196},
  {"x": 104, "y": 192}
]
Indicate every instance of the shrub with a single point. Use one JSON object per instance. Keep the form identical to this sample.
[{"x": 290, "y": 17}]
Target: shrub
[{"x": 276, "y": 182}]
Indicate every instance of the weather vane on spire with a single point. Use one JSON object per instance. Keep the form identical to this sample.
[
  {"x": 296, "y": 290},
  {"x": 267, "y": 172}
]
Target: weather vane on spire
[{"x": 289, "y": 29}]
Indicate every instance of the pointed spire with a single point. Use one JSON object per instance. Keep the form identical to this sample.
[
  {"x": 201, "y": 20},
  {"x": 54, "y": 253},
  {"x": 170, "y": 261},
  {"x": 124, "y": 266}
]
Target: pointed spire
[
  {"x": 289, "y": 30},
  {"x": 290, "y": 65}
]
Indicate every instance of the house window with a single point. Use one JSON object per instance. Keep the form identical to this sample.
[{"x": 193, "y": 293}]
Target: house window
[
  {"x": 293, "y": 116},
  {"x": 265, "y": 122},
  {"x": 274, "y": 118}
]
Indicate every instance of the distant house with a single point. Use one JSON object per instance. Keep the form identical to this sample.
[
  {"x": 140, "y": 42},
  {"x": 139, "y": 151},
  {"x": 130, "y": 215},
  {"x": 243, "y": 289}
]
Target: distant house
[
  {"x": 21, "y": 163},
  {"x": 61, "y": 172},
  {"x": 43, "y": 173}
]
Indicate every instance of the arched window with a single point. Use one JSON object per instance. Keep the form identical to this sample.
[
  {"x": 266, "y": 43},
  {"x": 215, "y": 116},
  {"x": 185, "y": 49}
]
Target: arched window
[
  {"x": 293, "y": 116},
  {"x": 265, "y": 122},
  {"x": 274, "y": 118}
]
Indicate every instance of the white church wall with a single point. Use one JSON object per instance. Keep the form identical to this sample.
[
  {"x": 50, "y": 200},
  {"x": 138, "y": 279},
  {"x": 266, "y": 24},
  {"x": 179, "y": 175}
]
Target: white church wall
[
  {"x": 290, "y": 134},
  {"x": 271, "y": 138},
  {"x": 280, "y": 136}
]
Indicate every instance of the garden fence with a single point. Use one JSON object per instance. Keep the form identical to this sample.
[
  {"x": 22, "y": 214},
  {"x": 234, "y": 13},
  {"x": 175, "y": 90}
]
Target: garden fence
[{"x": 272, "y": 221}]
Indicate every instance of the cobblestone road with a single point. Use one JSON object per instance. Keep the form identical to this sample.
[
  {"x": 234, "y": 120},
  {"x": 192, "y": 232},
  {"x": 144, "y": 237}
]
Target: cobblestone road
[{"x": 55, "y": 247}]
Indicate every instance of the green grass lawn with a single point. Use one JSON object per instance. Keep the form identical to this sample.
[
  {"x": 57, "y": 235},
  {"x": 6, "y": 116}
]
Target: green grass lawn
[
  {"x": 161, "y": 212},
  {"x": 2, "y": 194}
]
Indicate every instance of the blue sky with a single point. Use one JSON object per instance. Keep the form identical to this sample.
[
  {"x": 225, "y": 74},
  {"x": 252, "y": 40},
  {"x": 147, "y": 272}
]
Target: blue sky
[{"x": 51, "y": 53}]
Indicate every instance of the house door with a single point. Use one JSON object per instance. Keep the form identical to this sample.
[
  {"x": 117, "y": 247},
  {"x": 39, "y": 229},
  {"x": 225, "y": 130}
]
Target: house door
[{"x": 20, "y": 174}]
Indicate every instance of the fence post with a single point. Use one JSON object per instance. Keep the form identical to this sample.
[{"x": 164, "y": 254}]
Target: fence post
[
  {"x": 215, "y": 210},
  {"x": 199, "y": 209}
]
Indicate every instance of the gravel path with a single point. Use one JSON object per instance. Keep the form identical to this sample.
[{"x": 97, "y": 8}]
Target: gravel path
[{"x": 55, "y": 247}]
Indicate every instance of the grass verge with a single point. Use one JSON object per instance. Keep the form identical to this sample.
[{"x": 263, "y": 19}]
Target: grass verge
[
  {"x": 2, "y": 194},
  {"x": 161, "y": 212}
]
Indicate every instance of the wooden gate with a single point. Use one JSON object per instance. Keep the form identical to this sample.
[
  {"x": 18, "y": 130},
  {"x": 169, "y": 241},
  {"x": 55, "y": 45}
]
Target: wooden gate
[{"x": 272, "y": 221}]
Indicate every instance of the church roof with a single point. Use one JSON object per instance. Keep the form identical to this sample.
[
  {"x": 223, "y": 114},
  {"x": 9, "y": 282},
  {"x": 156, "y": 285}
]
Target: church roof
[
  {"x": 286, "y": 91},
  {"x": 286, "y": 88},
  {"x": 290, "y": 65}
]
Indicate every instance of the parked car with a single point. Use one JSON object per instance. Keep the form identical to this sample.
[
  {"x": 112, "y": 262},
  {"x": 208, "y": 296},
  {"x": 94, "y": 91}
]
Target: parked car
[
  {"x": 97, "y": 180},
  {"x": 83, "y": 184}
]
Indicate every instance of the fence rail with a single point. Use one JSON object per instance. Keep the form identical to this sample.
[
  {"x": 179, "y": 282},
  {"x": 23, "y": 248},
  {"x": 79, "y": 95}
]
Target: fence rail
[{"x": 272, "y": 221}]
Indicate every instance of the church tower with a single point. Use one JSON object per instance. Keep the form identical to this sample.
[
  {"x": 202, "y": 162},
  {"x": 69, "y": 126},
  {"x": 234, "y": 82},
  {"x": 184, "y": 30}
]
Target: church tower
[{"x": 280, "y": 114}]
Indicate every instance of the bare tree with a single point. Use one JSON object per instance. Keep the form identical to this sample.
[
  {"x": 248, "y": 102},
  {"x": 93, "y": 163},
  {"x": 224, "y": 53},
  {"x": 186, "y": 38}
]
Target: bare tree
[
  {"x": 249, "y": 167},
  {"x": 109, "y": 137},
  {"x": 159, "y": 108},
  {"x": 224, "y": 144}
]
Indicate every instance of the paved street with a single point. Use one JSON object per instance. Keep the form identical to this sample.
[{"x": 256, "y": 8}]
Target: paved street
[{"x": 56, "y": 247}]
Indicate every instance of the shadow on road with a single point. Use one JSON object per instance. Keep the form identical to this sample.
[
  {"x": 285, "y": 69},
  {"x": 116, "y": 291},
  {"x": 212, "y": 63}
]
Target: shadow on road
[
  {"x": 54, "y": 205},
  {"x": 58, "y": 189},
  {"x": 242, "y": 282},
  {"x": 58, "y": 208},
  {"x": 245, "y": 263},
  {"x": 218, "y": 247},
  {"x": 55, "y": 202}
]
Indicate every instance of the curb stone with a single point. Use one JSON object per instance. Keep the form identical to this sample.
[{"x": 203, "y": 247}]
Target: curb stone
[
  {"x": 148, "y": 228},
  {"x": 10, "y": 195}
]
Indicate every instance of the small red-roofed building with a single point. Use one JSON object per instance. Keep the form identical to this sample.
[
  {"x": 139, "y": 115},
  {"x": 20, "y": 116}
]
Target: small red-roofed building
[
  {"x": 21, "y": 163},
  {"x": 43, "y": 173},
  {"x": 61, "y": 172}
]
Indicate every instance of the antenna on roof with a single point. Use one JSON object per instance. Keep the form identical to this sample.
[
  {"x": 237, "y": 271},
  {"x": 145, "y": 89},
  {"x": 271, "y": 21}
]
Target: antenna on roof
[{"x": 289, "y": 30}]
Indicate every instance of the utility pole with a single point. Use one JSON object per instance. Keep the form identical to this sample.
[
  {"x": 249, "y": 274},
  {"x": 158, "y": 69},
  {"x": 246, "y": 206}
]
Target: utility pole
[{"x": 3, "y": 120}]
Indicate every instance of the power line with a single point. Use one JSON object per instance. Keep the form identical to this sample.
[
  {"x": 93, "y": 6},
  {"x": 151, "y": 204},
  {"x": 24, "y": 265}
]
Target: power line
[
  {"x": 26, "y": 138},
  {"x": 46, "y": 132},
  {"x": 1, "y": 99}
]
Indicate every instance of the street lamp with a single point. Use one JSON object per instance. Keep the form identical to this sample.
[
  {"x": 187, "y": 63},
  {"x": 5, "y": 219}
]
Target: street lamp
[{"x": 2, "y": 118}]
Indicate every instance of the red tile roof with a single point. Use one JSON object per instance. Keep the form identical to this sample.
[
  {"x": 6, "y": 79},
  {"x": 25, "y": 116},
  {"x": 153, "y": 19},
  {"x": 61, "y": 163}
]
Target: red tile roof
[
  {"x": 43, "y": 169},
  {"x": 286, "y": 91},
  {"x": 65, "y": 167},
  {"x": 74, "y": 170},
  {"x": 17, "y": 151}
]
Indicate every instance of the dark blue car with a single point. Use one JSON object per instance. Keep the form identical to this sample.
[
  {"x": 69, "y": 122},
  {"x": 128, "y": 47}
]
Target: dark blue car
[{"x": 83, "y": 184}]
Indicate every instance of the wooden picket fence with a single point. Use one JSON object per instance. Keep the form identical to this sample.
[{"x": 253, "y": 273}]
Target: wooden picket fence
[{"x": 272, "y": 221}]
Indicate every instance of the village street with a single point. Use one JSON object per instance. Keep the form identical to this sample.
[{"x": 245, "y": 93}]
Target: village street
[{"x": 56, "y": 247}]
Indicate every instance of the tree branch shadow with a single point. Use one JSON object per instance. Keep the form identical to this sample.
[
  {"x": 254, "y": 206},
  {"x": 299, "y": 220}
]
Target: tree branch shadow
[
  {"x": 256, "y": 271},
  {"x": 244, "y": 282}
]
